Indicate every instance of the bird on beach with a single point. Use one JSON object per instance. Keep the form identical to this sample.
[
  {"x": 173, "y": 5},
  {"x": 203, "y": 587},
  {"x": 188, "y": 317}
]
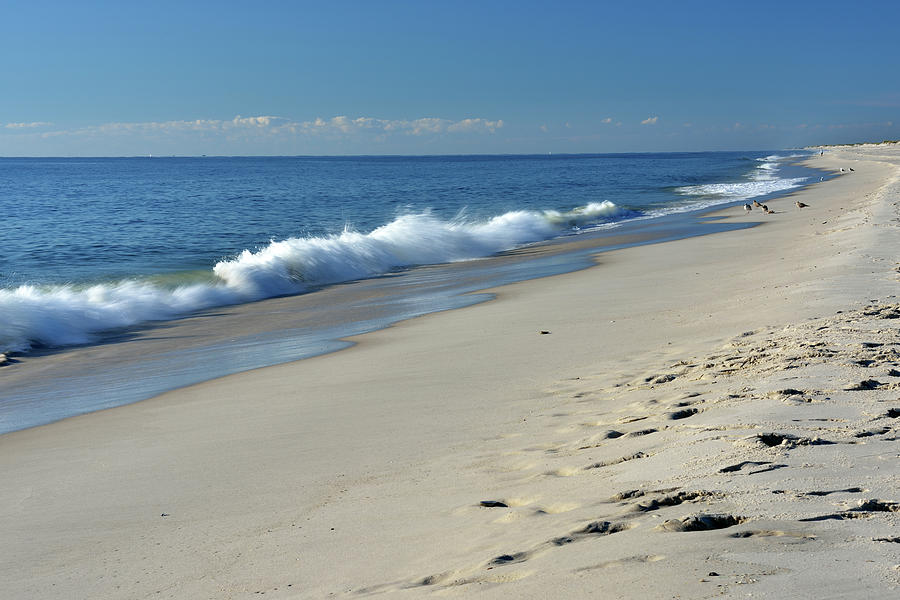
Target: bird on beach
[
  {"x": 801, "y": 204},
  {"x": 757, "y": 204},
  {"x": 748, "y": 208},
  {"x": 767, "y": 211},
  {"x": 851, "y": 168}
]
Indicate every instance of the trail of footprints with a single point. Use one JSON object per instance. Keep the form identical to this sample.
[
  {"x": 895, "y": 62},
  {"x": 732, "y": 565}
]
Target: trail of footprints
[
  {"x": 758, "y": 357},
  {"x": 633, "y": 501}
]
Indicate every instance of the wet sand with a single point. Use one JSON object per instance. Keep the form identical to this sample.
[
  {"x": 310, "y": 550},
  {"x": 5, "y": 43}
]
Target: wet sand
[{"x": 710, "y": 415}]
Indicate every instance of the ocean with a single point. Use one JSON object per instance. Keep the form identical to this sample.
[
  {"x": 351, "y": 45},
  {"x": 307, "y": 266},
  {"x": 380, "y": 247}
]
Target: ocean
[{"x": 115, "y": 251}]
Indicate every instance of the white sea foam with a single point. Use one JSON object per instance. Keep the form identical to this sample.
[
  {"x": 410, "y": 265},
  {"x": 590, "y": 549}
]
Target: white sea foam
[
  {"x": 761, "y": 181},
  {"x": 742, "y": 190},
  {"x": 765, "y": 172},
  {"x": 775, "y": 157},
  {"x": 66, "y": 315}
]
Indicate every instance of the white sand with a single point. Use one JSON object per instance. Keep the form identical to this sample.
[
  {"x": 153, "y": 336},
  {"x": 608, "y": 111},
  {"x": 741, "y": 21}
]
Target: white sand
[{"x": 362, "y": 472}]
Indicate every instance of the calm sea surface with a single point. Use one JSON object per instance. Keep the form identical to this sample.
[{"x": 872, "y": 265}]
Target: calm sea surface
[{"x": 93, "y": 247}]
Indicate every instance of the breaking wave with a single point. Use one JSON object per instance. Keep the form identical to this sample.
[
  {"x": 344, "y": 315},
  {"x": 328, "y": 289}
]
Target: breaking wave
[
  {"x": 33, "y": 315},
  {"x": 742, "y": 190},
  {"x": 763, "y": 180}
]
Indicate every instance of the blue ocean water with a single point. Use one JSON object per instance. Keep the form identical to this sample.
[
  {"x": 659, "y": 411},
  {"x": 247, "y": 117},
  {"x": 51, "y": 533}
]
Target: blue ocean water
[
  {"x": 97, "y": 244},
  {"x": 123, "y": 278}
]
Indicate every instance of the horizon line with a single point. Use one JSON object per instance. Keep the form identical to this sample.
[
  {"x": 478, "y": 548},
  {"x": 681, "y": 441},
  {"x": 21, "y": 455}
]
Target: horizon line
[{"x": 524, "y": 154}]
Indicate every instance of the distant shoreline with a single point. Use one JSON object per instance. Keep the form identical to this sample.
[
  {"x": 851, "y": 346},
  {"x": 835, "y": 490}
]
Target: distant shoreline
[{"x": 854, "y": 145}]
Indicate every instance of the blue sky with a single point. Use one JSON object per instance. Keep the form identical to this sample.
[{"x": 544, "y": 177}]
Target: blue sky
[{"x": 93, "y": 78}]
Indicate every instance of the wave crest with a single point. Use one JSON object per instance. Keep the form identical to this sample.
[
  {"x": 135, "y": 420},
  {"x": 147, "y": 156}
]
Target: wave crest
[
  {"x": 742, "y": 190},
  {"x": 68, "y": 315}
]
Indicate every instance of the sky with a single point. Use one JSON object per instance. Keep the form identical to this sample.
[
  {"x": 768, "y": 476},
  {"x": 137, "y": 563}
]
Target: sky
[{"x": 342, "y": 77}]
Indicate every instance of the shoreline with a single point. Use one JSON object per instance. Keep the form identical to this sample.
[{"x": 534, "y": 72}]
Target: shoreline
[
  {"x": 100, "y": 366},
  {"x": 362, "y": 471},
  {"x": 167, "y": 355}
]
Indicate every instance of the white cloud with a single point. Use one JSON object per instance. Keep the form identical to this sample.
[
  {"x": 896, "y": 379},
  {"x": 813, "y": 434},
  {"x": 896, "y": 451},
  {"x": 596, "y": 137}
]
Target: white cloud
[
  {"x": 476, "y": 125},
  {"x": 255, "y": 121},
  {"x": 422, "y": 126},
  {"x": 606, "y": 120},
  {"x": 544, "y": 128},
  {"x": 267, "y": 125},
  {"x": 27, "y": 125},
  {"x": 239, "y": 123},
  {"x": 650, "y": 121}
]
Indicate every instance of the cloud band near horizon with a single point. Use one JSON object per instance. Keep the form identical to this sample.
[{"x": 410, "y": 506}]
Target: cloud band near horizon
[{"x": 338, "y": 126}]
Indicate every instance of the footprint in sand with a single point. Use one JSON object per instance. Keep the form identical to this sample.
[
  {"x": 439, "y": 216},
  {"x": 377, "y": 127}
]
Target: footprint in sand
[
  {"x": 746, "y": 465},
  {"x": 841, "y": 516},
  {"x": 672, "y": 500},
  {"x": 626, "y": 420},
  {"x": 850, "y": 490},
  {"x": 597, "y": 528},
  {"x": 785, "y": 441},
  {"x": 615, "y": 461},
  {"x": 456, "y": 579},
  {"x": 862, "y": 509},
  {"x": 796, "y": 537},
  {"x": 659, "y": 379},
  {"x": 865, "y": 385},
  {"x": 792, "y": 395},
  {"x": 701, "y": 522},
  {"x": 872, "y": 432},
  {"x": 610, "y": 434},
  {"x": 591, "y": 530},
  {"x": 642, "y": 432},
  {"x": 508, "y": 559},
  {"x": 631, "y": 494},
  {"x": 493, "y": 504},
  {"x": 682, "y": 414}
]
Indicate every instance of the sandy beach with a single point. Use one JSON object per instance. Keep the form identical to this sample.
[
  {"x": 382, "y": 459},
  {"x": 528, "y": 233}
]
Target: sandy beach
[{"x": 713, "y": 416}]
